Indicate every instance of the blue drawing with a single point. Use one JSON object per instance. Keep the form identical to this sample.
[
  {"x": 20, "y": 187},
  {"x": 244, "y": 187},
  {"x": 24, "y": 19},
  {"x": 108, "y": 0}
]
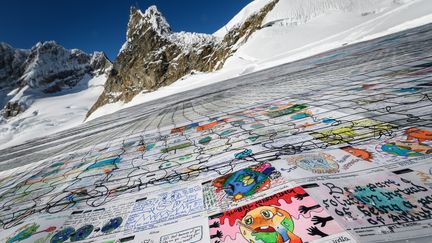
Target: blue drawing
[
  {"x": 328, "y": 120},
  {"x": 299, "y": 116},
  {"x": 245, "y": 182},
  {"x": 392, "y": 148},
  {"x": 113, "y": 224},
  {"x": 82, "y": 233},
  {"x": 103, "y": 163},
  {"x": 408, "y": 90},
  {"x": 243, "y": 154},
  {"x": 62, "y": 235}
]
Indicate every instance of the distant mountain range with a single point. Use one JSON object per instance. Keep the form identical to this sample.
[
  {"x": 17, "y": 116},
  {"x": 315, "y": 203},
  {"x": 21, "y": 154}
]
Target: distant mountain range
[{"x": 45, "y": 69}]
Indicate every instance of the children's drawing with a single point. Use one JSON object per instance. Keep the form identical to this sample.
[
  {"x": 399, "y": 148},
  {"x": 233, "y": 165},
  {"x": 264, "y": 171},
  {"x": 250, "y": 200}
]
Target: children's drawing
[{"x": 289, "y": 216}]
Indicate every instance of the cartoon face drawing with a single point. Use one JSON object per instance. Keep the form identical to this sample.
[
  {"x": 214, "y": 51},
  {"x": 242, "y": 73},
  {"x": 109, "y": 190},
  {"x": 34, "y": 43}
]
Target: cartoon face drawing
[
  {"x": 268, "y": 224},
  {"x": 245, "y": 182}
]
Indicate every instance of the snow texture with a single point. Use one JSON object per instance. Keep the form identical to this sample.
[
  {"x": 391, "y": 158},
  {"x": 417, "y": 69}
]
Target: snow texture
[
  {"x": 297, "y": 29},
  {"x": 293, "y": 30},
  {"x": 51, "y": 90}
]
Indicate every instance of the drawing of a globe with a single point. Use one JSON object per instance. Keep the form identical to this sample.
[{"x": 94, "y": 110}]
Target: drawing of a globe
[
  {"x": 62, "y": 235},
  {"x": 82, "y": 233},
  {"x": 113, "y": 224}
]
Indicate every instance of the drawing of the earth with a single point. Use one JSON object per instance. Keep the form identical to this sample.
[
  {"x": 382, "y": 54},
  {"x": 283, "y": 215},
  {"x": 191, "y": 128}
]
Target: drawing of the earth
[
  {"x": 62, "y": 235},
  {"x": 82, "y": 233},
  {"x": 113, "y": 224}
]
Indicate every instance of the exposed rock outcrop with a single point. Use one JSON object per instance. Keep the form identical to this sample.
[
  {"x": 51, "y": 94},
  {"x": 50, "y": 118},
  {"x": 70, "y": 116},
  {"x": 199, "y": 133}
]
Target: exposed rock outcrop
[
  {"x": 153, "y": 56},
  {"x": 11, "y": 64},
  {"x": 45, "y": 68}
]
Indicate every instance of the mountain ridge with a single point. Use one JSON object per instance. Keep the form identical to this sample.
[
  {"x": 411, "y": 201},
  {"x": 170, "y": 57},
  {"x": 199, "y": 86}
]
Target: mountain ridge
[
  {"x": 154, "y": 56},
  {"x": 258, "y": 32},
  {"x": 289, "y": 31},
  {"x": 45, "y": 68}
]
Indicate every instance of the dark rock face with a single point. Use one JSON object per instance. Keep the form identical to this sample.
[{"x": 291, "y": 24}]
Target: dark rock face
[
  {"x": 12, "y": 109},
  {"x": 11, "y": 64},
  {"x": 154, "y": 56},
  {"x": 46, "y": 68},
  {"x": 11, "y": 68}
]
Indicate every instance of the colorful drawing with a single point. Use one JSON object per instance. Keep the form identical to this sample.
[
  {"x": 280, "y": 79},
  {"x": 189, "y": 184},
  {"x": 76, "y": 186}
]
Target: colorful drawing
[
  {"x": 112, "y": 225},
  {"x": 357, "y": 152},
  {"x": 27, "y": 231},
  {"x": 82, "y": 233},
  {"x": 317, "y": 163},
  {"x": 360, "y": 143},
  {"x": 184, "y": 128},
  {"x": 347, "y": 132},
  {"x": 415, "y": 146},
  {"x": 246, "y": 182},
  {"x": 23, "y": 233},
  {"x": 408, "y": 90},
  {"x": 376, "y": 201},
  {"x": 286, "y": 111},
  {"x": 104, "y": 163},
  {"x": 420, "y": 134},
  {"x": 328, "y": 120},
  {"x": 300, "y": 116},
  {"x": 245, "y": 153},
  {"x": 176, "y": 147},
  {"x": 63, "y": 235},
  {"x": 212, "y": 124},
  {"x": 289, "y": 216},
  {"x": 394, "y": 149},
  {"x": 145, "y": 147},
  {"x": 422, "y": 173},
  {"x": 205, "y": 140},
  {"x": 268, "y": 224},
  {"x": 336, "y": 136}
]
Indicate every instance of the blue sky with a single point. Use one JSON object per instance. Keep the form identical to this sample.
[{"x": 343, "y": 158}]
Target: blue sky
[{"x": 97, "y": 25}]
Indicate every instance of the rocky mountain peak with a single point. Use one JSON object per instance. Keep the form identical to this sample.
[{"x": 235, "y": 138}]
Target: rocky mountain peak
[
  {"x": 100, "y": 63},
  {"x": 11, "y": 64},
  {"x": 140, "y": 22},
  {"x": 4, "y": 48},
  {"x": 153, "y": 56},
  {"x": 157, "y": 20},
  {"x": 49, "y": 63}
]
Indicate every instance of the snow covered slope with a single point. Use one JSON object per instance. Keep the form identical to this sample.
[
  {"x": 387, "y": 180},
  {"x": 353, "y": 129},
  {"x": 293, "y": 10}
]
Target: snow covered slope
[
  {"x": 49, "y": 114},
  {"x": 46, "y": 89},
  {"x": 296, "y": 29},
  {"x": 292, "y": 30}
]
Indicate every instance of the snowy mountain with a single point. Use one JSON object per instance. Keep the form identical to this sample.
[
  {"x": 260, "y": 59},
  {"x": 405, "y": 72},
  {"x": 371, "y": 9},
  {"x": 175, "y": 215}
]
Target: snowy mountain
[
  {"x": 296, "y": 29},
  {"x": 263, "y": 34},
  {"x": 36, "y": 87},
  {"x": 49, "y": 89},
  {"x": 154, "y": 56}
]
